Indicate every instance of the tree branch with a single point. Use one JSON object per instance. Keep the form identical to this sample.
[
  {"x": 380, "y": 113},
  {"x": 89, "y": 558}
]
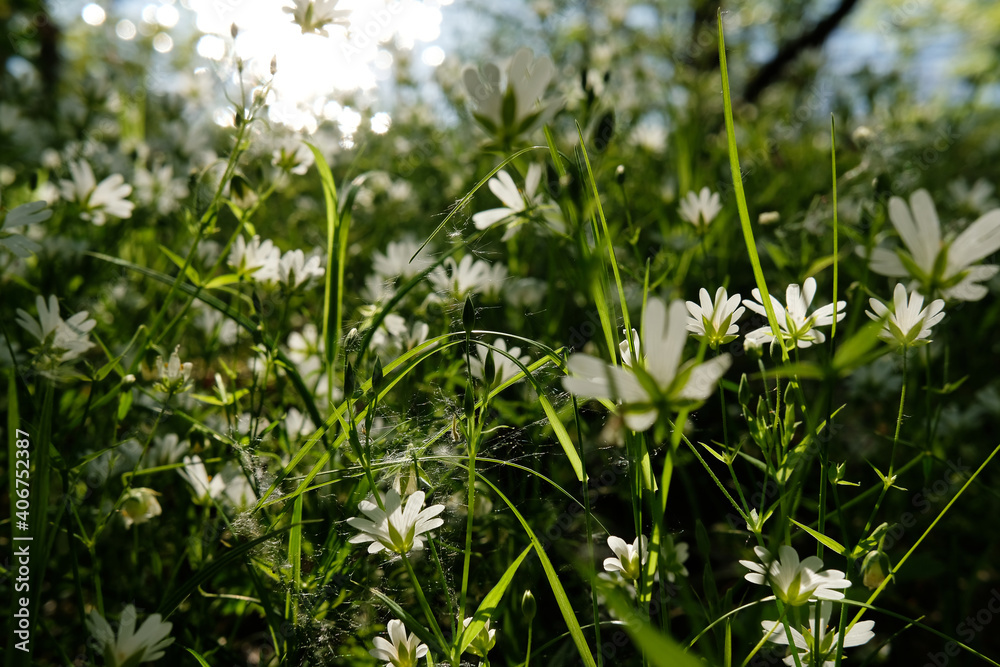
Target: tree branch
[{"x": 771, "y": 71}]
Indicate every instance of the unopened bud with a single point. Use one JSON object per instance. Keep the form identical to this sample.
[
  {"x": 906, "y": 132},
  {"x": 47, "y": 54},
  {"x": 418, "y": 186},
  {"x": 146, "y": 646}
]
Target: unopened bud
[
  {"x": 875, "y": 569},
  {"x": 234, "y": 30},
  {"x": 469, "y": 316},
  {"x": 274, "y": 65},
  {"x": 528, "y": 606},
  {"x": 620, "y": 174}
]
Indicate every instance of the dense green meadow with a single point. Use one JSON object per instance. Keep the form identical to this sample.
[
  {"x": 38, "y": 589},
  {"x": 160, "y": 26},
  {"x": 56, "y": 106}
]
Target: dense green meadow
[{"x": 611, "y": 334}]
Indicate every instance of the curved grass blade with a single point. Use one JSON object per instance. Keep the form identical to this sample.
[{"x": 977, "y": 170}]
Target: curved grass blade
[
  {"x": 489, "y": 604},
  {"x": 565, "y": 607}
]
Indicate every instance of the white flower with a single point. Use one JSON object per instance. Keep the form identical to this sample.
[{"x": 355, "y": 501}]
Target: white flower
[
  {"x": 293, "y": 156},
  {"x": 468, "y": 275},
  {"x": 174, "y": 376},
  {"x": 395, "y": 261},
  {"x": 626, "y": 351},
  {"x": 298, "y": 425},
  {"x": 394, "y": 336},
  {"x": 140, "y": 506},
  {"x": 484, "y": 642},
  {"x": 259, "y": 259},
  {"x": 22, "y": 216},
  {"x": 515, "y": 201},
  {"x": 674, "y": 557},
  {"x": 402, "y": 651},
  {"x": 131, "y": 647},
  {"x": 313, "y": 15},
  {"x": 908, "y": 324},
  {"x": 167, "y": 449},
  {"x": 629, "y": 558},
  {"x": 978, "y": 198},
  {"x": 860, "y": 634},
  {"x": 715, "y": 322},
  {"x": 237, "y": 491},
  {"x": 797, "y": 327},
  {"x": 527, "y": 79},
  {"x": 939, "y": 266},
  {"x": 660, "y": 381},
  {"x": 97, "y": 200},
  {"x": 792, "y": 581},
  {"x": 206, "y": 488},
  {"x": 700, "y": 209},
  {"x": 396, "y": 529},
  {"x": 505, "y": 368},
  {"x": 159, "y": 188},
  {"x": 61, "y": 340},
  {"x": 295, "y": 271}
]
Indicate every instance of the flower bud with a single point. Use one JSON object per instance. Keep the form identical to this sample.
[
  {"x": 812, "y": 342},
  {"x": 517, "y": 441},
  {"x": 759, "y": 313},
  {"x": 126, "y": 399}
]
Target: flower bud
[
  {"x": 528, "y": 606},
  {"x": 140, "y": 506},
  {"x": 875, "y": 568},
  {"x": 468, "y": 316}
]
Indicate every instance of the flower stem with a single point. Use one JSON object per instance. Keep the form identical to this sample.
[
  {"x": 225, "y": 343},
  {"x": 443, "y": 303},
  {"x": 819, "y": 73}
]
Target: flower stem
[{"x": 428, "y": 612}]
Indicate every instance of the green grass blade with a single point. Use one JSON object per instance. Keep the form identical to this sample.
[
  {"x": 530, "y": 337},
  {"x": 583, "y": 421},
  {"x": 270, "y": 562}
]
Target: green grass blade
[
  {"x": 658, "y": 649},
  {"x": 741, "y": 200},
  {"x": 412, "y": 624},
  {"x": 576, "y": 633},
  {"x": 229, "y": 559},
  {"x": 332, "y": 224},
  {"x": 198, "y": 657},
  {"x": 468, "y": 197},
  {"x": 836, "y": 226},
  {"x": 489, "y": 604}
]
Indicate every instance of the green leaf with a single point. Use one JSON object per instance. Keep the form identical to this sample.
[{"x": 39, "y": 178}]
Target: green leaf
[
  {"x": 659, "y": 649},
  {"x": 823, "y": 539},
  {"x": 412, "y": 624},
  {"x": 197, "y": 656},
  {"x": 227, "y": 560},
  {"x": 191, "y": 273},
  {"x": 741, "y": 200},
  {"x": 855, "y": 351},
  {"x": 567, "y": 444},
  {"x": 222, "y": 281},
  {"x": 489, "y": 604},
  {"x": 562, "y": 600},
  {"x": 27, "y": 214}
]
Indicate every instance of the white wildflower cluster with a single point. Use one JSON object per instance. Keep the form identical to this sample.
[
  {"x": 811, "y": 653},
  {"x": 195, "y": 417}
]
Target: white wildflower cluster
[
  {"x": 129, "y": 647},
  {"x": 504, "y": 367},
  {"x": 97, "y": 201},
  {"x": 700, "y": 209},
  {"x": 520, "y": 206},
  {"x": 60, "y": 340},
  {"x": 263, "y": 262},
  {"x": 654, "y": 379},
  {"x": 158, "y": 189},
  {"x": 456, "y": 280},
  {"x": 230, "y": 486},
  {"x": 306, "y": 349},
  {"x": 394, "y": 527},
  {"x": 314, "y": 15},
  {"x": 799, "y": 583},
  {"x": 937, "y": 265},
  {"x": 395, "y": 336},
  {"x": 516, "y": 105},
  {"x": 798, "y": 326}
]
